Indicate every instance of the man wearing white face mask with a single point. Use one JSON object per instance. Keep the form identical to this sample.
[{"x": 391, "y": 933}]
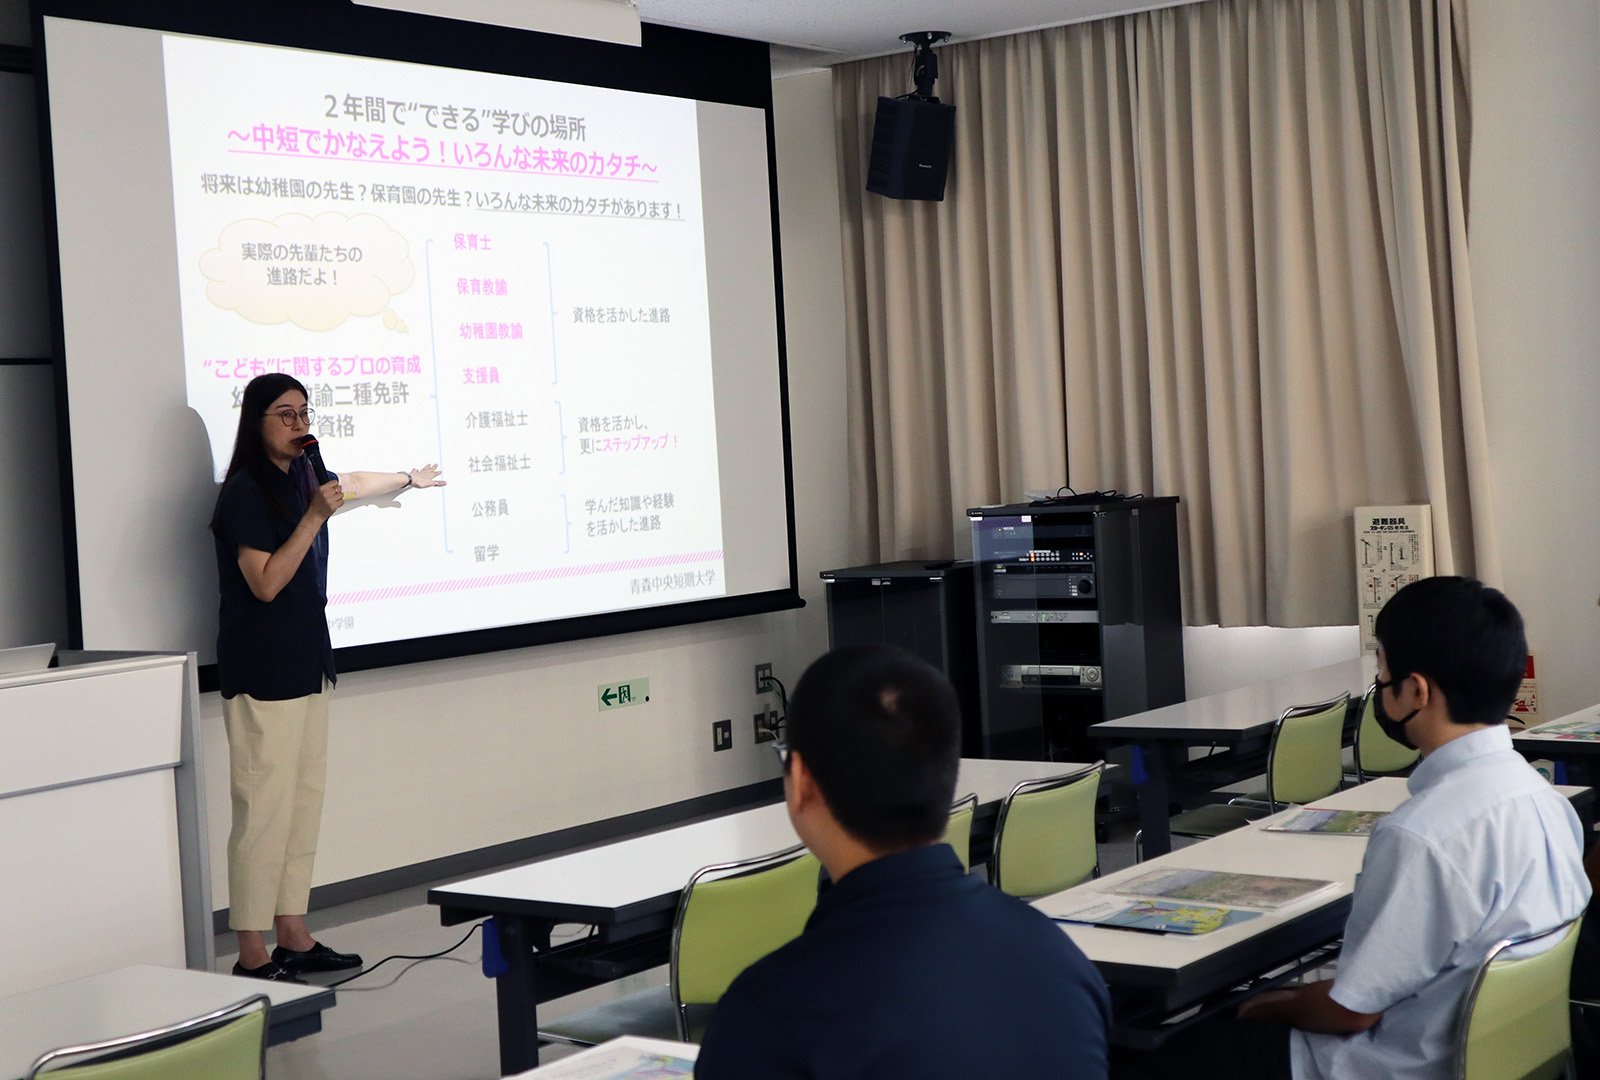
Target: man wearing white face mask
[{"x": 1483, "y": 850}]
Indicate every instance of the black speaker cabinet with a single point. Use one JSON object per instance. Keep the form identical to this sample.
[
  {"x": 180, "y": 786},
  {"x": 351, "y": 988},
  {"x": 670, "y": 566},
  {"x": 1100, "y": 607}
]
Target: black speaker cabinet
[
  {"x": 911, "y": 149},
  {"x": 923, "y": 608}
]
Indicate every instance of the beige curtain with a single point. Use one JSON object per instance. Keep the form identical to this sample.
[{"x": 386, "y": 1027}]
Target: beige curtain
[{"x": 1216, "y": 251}]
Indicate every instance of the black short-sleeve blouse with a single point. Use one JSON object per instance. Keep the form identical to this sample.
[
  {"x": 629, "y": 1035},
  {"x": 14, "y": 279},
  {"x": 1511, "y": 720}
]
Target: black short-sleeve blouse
[{"x": 278, "y": 650}]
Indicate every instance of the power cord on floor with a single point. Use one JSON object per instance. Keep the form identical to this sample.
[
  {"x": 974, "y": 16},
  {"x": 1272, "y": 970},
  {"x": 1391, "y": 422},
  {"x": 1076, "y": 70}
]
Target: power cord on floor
[{"x": 401, "y": 956}]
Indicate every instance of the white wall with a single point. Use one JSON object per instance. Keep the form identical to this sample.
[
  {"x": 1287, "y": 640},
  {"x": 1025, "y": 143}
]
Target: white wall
[
  {"x": 1217, "y": 658},
  {"x": 1535, "y": 249},
  {"x": 813, "y": 310}
]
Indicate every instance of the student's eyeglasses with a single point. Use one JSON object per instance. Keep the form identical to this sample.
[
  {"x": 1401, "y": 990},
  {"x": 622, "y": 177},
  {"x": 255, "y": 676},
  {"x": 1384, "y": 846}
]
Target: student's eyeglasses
[{"x": 289, "y": 416}]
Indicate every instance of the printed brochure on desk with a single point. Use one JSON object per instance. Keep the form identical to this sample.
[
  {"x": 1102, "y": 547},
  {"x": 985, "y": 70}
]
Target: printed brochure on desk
[
  {"x": 1259, "y": 891},
  {"x": 1314, "y": 819},
  {"x": 1156, "y": 916},
  {"x": 627, "y": 1058},
  {"x": 1587, "y": 730}
]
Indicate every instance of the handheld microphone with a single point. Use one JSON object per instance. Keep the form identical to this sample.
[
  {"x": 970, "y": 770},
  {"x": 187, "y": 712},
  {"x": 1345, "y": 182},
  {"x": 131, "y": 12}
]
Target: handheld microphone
[{"x": 308, "y": 443}]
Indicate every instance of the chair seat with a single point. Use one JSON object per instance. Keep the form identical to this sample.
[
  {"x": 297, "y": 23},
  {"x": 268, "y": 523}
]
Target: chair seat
[
  {"x": 1208, "y": 821},
  {"x": 646, "y": 1012}
]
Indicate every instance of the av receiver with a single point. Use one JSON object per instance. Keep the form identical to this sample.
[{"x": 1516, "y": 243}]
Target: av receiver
[{"x": 1052, "y": 586}]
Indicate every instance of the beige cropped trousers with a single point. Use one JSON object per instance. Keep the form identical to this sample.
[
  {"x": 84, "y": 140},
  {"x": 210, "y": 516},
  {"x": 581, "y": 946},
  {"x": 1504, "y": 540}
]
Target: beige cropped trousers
[{"x": 278, "y": 754}]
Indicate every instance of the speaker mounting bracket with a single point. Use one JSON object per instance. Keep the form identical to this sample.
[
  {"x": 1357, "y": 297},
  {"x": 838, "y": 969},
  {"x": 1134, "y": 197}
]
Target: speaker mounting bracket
[{"x": 924, "y": 62}]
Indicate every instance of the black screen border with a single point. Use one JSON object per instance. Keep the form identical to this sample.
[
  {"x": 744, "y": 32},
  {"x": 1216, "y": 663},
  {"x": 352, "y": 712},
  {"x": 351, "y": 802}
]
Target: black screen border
[{"x": 669, "y": 60}]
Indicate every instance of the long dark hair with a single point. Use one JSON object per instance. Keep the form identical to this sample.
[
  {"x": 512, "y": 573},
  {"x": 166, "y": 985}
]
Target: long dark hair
[{"x": 250, "y": 448}]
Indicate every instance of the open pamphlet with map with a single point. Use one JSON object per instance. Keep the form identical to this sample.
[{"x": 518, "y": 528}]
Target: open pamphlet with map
[
  {"x": 1316, "y": 819},
  {"x": 630, "y": 1057},
  {"x": 1181, "y": 901},
  {"x": 1585, "y": 728},
  {"x": 1156, "y": 916}
]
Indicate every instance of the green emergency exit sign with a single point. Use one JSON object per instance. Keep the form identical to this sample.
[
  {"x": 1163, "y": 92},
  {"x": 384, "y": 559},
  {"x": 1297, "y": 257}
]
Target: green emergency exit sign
[{"x": 621, "y": 695}]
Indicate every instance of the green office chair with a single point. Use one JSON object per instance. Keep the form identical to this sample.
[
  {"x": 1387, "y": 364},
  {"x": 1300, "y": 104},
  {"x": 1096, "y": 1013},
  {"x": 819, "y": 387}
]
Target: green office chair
[
  {"x": 1376, "y": 754},
  {"x": 729, "y": 916},
  {"x": 1302, "y": 766},
  {"x": 229, "y": 1043},
  {"x": 1514, "y": 1022},
  {"x": 958, "y": 833},
  {"x": 1044, "y": 841}
]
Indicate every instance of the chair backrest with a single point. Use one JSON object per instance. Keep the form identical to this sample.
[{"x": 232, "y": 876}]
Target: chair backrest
[
  {"x": 1514, "y": 1022},
  {"x": 1376, "y": 753},
  {"x": 958, "y": 832},
  {"x": 1303, "y": 764},
  {"x": 732, "y": 914},
  {"x": 226, "y": 1044},
  {"x": 1044, "y": 841}
]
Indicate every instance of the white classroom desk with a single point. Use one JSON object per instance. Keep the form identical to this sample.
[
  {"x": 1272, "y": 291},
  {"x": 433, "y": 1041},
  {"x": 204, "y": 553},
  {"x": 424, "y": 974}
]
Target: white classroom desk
[
  {"x": 1177, "y": 970},
  {"x": 1243, "y": 715},
  {"x": 616, "y": 881},
  {"x": 139, "y": 998},
  {"x": 629, "y": 890},
  {"x": 1540, "y": 742}
]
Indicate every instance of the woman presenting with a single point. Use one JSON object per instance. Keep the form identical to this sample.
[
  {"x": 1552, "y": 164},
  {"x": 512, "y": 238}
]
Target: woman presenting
[{"x": 275, "y": 665}]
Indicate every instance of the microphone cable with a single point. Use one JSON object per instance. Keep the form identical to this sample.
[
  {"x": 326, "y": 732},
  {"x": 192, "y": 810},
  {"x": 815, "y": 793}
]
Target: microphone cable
[{"x": 403, "y": 956}]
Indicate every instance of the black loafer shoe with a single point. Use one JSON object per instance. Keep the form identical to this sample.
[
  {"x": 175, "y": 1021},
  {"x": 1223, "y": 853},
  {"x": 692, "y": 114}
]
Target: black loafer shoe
[
  {"x": 270, "y": 971},
  {"x": 317, "y": 958}
]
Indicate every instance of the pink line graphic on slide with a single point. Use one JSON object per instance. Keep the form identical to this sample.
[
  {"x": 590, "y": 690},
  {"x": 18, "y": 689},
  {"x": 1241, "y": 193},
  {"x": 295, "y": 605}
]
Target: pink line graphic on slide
[{"x": 519, "y": 577}]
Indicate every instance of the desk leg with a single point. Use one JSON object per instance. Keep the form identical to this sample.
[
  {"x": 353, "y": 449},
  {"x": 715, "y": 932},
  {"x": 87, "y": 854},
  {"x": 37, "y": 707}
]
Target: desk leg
[
  {"x": 516, "y": 999},
  {"x": 1155, "y": 797}
]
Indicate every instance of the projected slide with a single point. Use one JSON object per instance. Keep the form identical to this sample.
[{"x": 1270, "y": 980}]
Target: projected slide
[{"x": 505, "y": 276}]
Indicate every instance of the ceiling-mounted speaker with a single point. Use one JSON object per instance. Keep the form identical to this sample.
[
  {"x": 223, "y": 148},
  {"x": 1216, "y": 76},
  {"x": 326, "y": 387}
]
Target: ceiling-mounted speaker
[
  {"x": 911, "y": 143},
  {"x": 912, "y": 135}
]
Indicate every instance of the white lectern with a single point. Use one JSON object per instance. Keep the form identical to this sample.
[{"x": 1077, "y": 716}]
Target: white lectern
[{"x": 102, "y": 830}]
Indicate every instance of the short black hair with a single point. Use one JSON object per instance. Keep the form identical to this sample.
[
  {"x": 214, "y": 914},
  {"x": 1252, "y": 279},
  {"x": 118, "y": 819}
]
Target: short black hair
[
  {"x": 880, "y": 730},
  {"x": 1463, "y": 636}
]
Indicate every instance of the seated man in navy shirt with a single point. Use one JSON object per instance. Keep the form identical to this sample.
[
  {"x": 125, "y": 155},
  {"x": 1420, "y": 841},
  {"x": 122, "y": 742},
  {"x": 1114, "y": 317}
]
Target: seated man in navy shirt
[{"x": 909, "y": 967}]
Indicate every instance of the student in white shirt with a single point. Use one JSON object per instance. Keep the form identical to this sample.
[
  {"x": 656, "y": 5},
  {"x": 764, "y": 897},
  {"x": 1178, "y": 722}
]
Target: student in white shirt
[{"x": 1483, "y": 850}]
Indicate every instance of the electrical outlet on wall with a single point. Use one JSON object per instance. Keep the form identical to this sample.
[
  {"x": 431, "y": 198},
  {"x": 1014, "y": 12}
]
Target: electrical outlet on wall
[
  {"x": 766, "y": 725},
  {"x": 763, "y": 678},
  {"x": 722, "y": 735}
]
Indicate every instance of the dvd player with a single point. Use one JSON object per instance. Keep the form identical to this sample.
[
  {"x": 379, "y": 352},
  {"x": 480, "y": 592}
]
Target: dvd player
[{"x": 1044, "y": 615}]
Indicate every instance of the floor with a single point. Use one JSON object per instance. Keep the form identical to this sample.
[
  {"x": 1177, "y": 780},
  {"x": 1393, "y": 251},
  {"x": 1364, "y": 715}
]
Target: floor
[
  {"x": 435, "y": 1019},
  {"x": 408, "y": 1019}
]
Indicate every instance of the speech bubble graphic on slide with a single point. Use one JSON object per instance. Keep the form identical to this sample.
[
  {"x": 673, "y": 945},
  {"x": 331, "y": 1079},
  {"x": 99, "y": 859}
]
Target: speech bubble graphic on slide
[{"x": 315, "y": 272}]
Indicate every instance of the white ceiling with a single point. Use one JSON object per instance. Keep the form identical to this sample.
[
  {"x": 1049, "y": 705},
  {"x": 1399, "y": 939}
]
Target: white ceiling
[{"x": 819, "y": 33}]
